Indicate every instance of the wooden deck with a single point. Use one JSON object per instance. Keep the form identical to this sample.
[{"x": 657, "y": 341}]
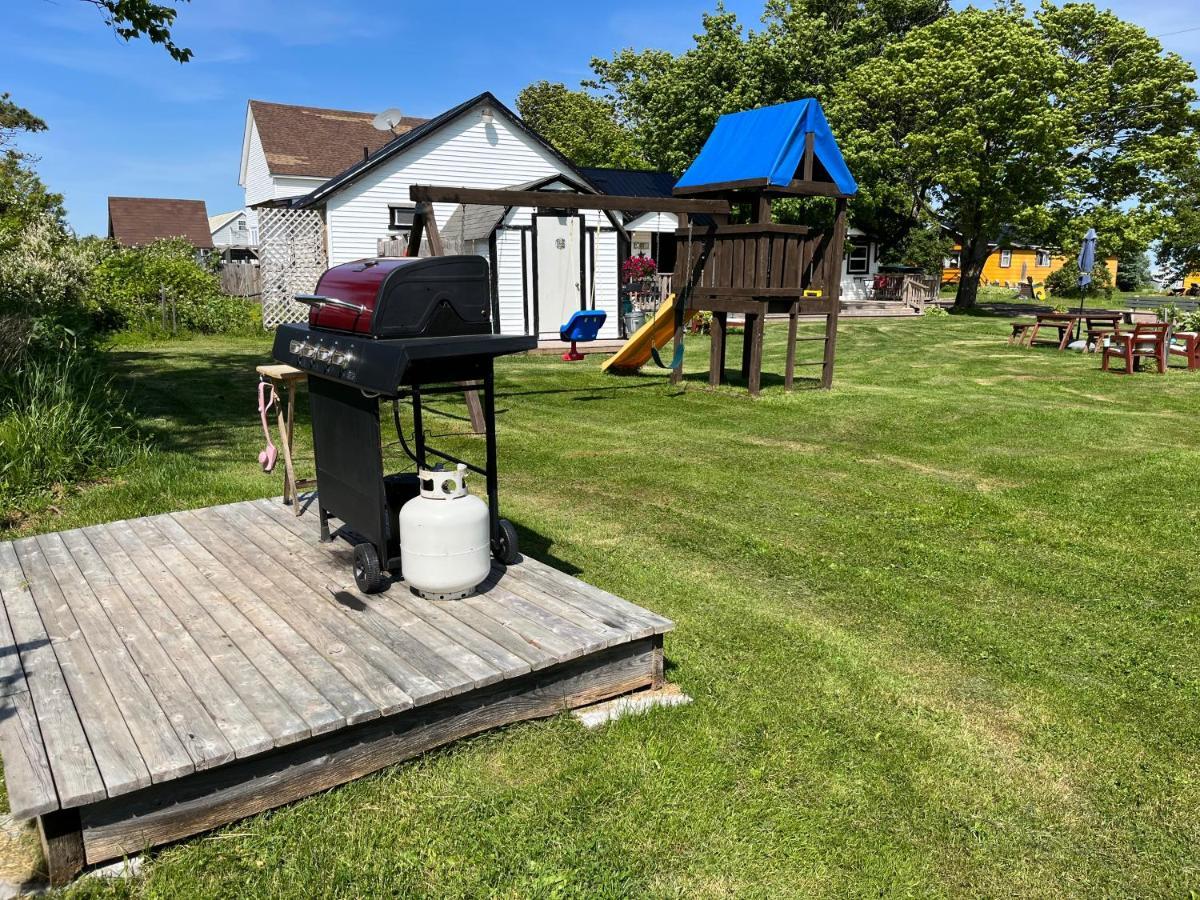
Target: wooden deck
[{"x": 164, "y": 675}]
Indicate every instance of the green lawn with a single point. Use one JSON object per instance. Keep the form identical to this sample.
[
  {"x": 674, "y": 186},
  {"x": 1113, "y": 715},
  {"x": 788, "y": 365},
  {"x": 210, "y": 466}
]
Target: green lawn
[{"x": 940, "y": 625}]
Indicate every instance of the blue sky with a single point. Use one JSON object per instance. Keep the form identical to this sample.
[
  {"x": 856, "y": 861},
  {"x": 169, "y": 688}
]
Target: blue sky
[{"x": 125, "y": 119}]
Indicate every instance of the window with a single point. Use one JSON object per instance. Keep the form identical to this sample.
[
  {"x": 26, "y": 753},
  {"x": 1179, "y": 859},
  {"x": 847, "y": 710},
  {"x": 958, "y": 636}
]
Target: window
[
  {"x": 401, "y": 216},
  {"x": 951, "y": 261},
  {"x": 1005, "y": 259},
  {"x": 1042, "y": 259},
  {"x": 859, "y": 260}
]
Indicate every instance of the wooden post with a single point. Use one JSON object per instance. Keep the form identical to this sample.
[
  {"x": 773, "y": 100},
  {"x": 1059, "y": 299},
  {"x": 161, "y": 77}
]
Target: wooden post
[
  {"x": 747, "y": 340},
  {"x": 756, "y": 351},
  {"x": 431, "y": 230},
  {"x": 833, "y": 290},
  {"x": 716, "y": 353},
  {"x": 62, "y": 844},
  {"x": 789, "y": 370},
  {"x": 414, "y": 233}
]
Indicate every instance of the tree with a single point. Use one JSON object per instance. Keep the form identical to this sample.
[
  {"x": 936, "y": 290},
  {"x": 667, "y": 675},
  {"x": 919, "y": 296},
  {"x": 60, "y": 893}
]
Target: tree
[
  {"x": 961, "y": 113},
  {"x": 804, "y": 49},
  {"x": 1179, "y": 249},
  {"x": 14, "y": 119},
  {"x": 1133, "y": 271},
  {"x": 131, "y": 19},
  {"x": 1041, "y": 127},
  {"x": 581, "y": 126}
]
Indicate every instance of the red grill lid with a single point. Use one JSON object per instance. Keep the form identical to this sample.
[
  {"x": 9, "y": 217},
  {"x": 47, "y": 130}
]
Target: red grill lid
[{"x": 355, "y": 282}]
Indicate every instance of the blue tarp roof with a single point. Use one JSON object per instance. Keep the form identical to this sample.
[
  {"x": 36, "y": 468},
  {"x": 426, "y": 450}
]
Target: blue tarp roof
[{"x": 768, "y": 143}]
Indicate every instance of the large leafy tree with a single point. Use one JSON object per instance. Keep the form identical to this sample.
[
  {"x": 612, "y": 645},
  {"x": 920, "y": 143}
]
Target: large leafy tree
[
  {"x": 1179, "y": 249},
  {"x": 803, "y": 49},
  {"x": 580, "y": 125},
  {"x": 1041, "y": 126}
]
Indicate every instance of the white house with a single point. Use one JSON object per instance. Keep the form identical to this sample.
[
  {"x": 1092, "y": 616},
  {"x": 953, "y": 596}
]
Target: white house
[
  {"x": 289, "y": 151},
  {"x": 233, "y": 229},
  {"x": 546, "y": 263}
]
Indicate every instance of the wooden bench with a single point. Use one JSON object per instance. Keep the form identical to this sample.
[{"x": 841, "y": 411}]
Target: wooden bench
[{"x": 1019, "y": 332}]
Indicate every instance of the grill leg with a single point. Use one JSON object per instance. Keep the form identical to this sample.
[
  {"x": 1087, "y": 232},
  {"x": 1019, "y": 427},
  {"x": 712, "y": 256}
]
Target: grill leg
[
  {"x": 493, "y": 479},
  {"x": 324, "y": 517},
  {"x": 418, "y": 426}
]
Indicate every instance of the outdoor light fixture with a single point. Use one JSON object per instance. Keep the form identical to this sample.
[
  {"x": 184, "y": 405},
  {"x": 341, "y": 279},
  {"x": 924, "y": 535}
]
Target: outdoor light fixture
[{"x": 486, "y": 115}]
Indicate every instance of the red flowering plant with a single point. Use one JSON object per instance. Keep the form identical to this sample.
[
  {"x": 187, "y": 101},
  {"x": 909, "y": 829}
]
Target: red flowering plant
[{"x": 638, "y": 267}]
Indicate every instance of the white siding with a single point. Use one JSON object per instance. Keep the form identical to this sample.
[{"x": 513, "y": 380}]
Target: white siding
[
  {"x": 258, "y": 184},
  {"x": 465, "y": 152},
  {"x": 510, "y": 280}
]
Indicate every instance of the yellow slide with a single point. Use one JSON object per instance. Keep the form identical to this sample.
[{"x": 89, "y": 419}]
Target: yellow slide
[{"x": 656, "y": 332}]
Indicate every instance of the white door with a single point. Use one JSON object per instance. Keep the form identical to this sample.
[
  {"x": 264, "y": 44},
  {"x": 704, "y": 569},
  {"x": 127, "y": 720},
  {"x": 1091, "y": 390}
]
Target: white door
[{"x": 558, "y": 272}]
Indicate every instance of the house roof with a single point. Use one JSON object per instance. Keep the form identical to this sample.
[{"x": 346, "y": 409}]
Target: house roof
[
  {"x": 631, "y": 182},
  {"x": 134, "y": 221},
  {"x": 426, "y": 128},
  {"x": 765, "y": 148},
  {"x": 219, "y": 221},
  {"x": 315, "y": 142}
]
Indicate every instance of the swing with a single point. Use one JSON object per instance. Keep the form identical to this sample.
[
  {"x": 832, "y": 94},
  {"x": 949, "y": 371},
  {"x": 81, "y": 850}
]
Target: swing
[
  {"x": 682, "y": 299},
  {"x": 584, "y": 324}
]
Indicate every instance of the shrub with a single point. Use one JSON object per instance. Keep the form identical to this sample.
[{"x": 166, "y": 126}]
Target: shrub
[
  {"x": 1064, "y": 282},
  {"x": 44, "y": 278},
  {"x": 60, "y": 421},
  {"x": 936, "y": 312},
  {"x": 163, "y": 286}
]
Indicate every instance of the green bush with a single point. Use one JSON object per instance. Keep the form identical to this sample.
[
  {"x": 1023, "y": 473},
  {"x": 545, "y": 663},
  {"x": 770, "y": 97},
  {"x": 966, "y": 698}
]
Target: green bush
[
  {"x": 1064, "y": 282},
  {"x": 935, "y": 312},
  {"x": 60, "y": 421},
  {"x": 164, "y": 287},
  {"x": 44, "y": 297}
]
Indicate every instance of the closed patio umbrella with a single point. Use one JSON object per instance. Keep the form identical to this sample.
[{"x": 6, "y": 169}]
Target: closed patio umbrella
[{"x": 1087, "y": 259}]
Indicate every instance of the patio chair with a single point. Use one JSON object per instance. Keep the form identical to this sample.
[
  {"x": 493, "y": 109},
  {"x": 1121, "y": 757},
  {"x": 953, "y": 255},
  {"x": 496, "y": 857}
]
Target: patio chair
[
  {"x": 1148, "y": 340},
  {"x": 1187, "y": 345}
]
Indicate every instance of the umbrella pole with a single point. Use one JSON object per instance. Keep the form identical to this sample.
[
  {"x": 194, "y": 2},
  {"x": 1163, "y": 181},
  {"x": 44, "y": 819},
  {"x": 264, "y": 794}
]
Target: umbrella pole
[{"x": 1079, "y": 321}]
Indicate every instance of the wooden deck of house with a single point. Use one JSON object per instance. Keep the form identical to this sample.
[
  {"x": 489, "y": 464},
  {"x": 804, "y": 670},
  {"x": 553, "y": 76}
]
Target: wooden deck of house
[{"x": 163, "y": 676}]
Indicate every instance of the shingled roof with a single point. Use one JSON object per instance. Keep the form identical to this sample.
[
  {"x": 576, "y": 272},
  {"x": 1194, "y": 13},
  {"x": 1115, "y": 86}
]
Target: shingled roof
[
  {"x": 318, "y": 143},
  {"x": 134, "y": 221}
]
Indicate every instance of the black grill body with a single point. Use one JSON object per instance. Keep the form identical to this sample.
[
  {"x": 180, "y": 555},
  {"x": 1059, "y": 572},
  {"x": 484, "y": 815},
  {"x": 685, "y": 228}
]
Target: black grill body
[{"x": 350, "y": 373}]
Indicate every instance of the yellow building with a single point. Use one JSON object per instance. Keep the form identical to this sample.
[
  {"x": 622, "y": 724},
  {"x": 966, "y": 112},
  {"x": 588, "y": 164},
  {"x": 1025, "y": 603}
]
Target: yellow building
[{"x": 1008, "y": 266}]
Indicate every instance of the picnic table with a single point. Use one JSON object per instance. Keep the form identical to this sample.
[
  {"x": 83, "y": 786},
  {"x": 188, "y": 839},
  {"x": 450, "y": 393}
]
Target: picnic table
[{"x": 1098, "y": 325}]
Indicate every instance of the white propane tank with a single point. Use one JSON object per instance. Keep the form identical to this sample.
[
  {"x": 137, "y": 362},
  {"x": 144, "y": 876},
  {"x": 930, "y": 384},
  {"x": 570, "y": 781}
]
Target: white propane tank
[{"x": 445, "y": 537}]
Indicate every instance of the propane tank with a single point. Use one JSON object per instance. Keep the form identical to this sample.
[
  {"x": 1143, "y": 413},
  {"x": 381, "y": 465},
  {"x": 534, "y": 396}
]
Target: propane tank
[{"x": 445, "y": 537}]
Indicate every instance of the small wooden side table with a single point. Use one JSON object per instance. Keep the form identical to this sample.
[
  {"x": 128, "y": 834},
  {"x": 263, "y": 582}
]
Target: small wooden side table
[{"x": 285, "y": 379}]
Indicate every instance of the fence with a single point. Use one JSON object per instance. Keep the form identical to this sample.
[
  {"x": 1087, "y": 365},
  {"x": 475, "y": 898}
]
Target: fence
[{"x": 240, "y": 279}]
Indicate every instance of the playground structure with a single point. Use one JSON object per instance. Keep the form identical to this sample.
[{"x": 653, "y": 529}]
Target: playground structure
[{"x": 751, "y": 269}]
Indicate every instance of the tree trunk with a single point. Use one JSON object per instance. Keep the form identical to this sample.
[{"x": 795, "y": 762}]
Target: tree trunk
[{"x": 971, "y": 261}]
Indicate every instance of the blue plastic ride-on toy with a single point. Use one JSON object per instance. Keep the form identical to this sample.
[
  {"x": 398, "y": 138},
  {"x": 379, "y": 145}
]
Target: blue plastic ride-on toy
[{"x": 583, "y": 325}]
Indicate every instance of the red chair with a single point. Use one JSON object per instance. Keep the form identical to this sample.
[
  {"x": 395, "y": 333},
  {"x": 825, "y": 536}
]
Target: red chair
[{"x": 1147, "y": 341}]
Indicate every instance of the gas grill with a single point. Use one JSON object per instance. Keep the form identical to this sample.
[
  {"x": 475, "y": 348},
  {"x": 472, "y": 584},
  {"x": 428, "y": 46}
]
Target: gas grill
[{"x": 394, "y": 329}]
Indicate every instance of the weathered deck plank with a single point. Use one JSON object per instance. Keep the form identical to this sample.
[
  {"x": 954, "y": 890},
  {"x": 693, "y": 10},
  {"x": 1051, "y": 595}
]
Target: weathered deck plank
[
  {"x": 281, "y": 649},
  {"x": 26, "y": 769},
  {"x": 164, "y": 754},
  {"x": 192, "y": 720},
  {"x": 77, "y": 778},
  {"x": 127, "y": 554},
  {"x": 113, "y": 747},
  {"x": 387, "y": 697},
  {"x": 392, "y": 620}
]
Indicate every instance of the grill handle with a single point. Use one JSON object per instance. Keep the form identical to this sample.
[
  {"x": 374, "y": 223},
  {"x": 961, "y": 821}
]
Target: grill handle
[{"x": 318, "y": 300}]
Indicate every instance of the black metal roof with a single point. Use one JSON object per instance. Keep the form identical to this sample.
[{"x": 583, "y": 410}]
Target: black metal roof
[{"x": 631, "y": 182}]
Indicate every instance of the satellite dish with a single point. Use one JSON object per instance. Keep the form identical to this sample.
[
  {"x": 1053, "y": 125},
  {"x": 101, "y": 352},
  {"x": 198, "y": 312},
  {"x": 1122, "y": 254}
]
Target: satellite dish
[{"x": 388, "y": 119}]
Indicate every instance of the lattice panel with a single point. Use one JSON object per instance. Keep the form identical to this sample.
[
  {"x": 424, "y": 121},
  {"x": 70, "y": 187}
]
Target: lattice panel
[{"x": 291, "y": 259}]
